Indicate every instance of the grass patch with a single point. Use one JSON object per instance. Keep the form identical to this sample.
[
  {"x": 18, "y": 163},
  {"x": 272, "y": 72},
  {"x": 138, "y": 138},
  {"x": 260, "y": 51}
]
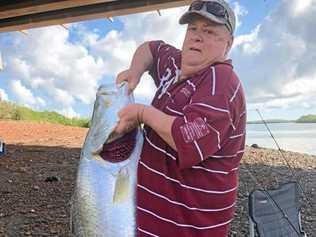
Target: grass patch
[{"x": 11, "y": 111}]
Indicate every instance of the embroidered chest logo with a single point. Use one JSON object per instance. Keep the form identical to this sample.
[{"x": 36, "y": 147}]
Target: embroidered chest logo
[
  {"x": 166, "y": 81},
  {"x": 195, "y": 130}
]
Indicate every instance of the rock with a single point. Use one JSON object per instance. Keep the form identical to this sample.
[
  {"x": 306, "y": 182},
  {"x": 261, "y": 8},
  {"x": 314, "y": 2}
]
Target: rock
[
  {"x": 256, "y": 146},
  {"x": 52, "y": 179},
  {"x": 35, "y": 187}
]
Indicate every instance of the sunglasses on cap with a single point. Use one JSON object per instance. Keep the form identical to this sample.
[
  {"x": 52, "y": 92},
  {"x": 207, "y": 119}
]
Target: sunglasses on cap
[{"x": 213, "y": 8}]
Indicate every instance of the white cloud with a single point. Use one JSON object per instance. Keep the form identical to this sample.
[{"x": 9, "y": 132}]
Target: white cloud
[
  {"x": 304, "y": 86},
  {"x": 299, "y": 6},
  {"x": 61, "y": 96},
  {"x": 48, "y": 63},
  {"x": 249, "y": 44},
  {"x": 145, "y": 91},
  {"x": 117, "y": 48},
  {"x": 3, "y": 95},
  {"x": 239, "y": 12},
  {"x": 276, "y": 60},
  {"x": 25, "y": 96},
  {"x": 68, "y": 112}
]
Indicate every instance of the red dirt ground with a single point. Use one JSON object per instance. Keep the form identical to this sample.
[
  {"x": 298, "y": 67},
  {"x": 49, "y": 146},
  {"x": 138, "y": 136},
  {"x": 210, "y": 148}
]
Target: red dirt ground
[
  {"x": 38, "y": 173},
  {"x": 30, "y": 204}
]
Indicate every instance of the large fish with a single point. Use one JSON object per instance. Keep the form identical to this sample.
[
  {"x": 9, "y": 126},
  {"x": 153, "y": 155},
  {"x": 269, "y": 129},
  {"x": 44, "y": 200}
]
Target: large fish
[{"x": 103, "y": 203}]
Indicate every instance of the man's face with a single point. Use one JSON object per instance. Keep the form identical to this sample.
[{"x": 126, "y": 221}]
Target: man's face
[{"x": 205, "y": 43}]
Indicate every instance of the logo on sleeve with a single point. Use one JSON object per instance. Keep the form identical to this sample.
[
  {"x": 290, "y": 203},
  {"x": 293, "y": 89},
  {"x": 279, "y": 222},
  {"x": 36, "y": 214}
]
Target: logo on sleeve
[
  {"x": 187, "y": 93},
  {"x": 195, "y": 130}
]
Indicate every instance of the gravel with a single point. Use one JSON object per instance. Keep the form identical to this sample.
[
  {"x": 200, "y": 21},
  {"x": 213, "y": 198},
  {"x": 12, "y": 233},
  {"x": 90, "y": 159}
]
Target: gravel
[{"x": 38, "y": 173}]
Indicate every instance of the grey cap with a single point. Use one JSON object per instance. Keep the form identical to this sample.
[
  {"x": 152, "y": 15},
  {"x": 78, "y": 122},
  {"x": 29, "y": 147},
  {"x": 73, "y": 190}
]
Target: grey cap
[{"x": 229, "y": 20}]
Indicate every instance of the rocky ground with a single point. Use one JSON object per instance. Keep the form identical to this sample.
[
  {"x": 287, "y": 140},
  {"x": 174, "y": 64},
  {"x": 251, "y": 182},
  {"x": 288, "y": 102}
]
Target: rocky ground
[{"x": 37, "y": 179}]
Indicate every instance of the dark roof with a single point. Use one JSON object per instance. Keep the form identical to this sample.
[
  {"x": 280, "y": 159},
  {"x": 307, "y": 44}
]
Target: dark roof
[{"x": 16, "y": 15}]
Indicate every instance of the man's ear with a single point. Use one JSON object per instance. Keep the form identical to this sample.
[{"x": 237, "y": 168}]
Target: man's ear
[{"x": 229, "y": 45}]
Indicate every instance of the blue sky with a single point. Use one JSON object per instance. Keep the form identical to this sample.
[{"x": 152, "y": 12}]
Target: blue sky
[{"x": 274, "y": 54}]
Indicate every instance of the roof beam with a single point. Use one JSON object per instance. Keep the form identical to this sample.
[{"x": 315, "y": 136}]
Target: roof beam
[
  {"x": 104, "y": 9},
  {"x": 16, "y": 8}
]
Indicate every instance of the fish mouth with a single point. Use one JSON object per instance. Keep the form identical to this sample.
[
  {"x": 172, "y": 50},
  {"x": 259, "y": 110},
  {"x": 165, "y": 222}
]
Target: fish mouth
[
  {"x": 109, "y": 140},
  {"x": 118, "y": 149},
  {"x": 113, "y": 136}
]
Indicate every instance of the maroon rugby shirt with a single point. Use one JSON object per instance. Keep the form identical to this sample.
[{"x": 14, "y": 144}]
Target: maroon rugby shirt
[{"x": 191, "y": 192}]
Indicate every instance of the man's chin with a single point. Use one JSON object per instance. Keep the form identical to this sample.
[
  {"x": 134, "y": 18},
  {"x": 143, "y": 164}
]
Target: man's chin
[{"x": 193, "y": 63}]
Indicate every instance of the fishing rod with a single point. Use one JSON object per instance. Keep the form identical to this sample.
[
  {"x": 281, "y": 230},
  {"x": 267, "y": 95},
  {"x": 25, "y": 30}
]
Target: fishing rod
[
  {"x": 266, "y": 192},
  {"x": 283, "y": 156}
]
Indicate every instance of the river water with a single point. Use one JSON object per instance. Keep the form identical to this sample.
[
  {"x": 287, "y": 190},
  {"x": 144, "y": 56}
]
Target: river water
[{"x": 299, "y": 137}]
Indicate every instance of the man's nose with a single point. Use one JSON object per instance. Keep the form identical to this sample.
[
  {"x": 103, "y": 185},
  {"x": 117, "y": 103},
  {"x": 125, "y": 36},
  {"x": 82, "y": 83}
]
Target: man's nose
[{"x": 196, "y": 37}]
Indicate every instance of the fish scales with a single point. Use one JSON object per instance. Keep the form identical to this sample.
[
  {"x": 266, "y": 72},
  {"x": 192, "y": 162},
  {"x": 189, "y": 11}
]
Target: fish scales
[{"x": 103, "y": 202}]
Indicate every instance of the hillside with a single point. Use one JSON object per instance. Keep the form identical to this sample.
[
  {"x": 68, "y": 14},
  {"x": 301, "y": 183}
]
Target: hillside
[
  {"x": 11, "y": 111},
  {"x": 303, "y": 119},
  {"x": 271, "y": 121},
  {"x": 310, "y": 118}
]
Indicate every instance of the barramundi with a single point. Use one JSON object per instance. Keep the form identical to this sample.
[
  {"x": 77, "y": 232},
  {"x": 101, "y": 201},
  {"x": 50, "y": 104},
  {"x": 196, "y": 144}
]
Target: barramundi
[{"x": 103, "y": 202}]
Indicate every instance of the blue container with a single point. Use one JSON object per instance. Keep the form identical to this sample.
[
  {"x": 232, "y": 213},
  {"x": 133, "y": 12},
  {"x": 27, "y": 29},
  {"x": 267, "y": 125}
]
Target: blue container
[{"x": 2, "y": 148}]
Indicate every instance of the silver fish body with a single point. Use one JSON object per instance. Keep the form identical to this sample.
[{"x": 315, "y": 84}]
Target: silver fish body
[{"x": 103, "y": 203}]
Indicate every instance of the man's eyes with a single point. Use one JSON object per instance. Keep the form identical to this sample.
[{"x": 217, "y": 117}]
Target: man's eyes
[
  {"x": 208, "y": 31},
  {"x": 204, "y": 30}
]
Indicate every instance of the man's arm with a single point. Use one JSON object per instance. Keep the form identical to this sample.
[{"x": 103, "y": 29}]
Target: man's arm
[
  {"x": 141, "y": 62},
  {"x": 134, "y": 114},
  {"x": 160, "y": 122}
]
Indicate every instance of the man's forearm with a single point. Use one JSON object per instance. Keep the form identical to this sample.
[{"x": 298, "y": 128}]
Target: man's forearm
[
  {"x": 142, "y": 59},
  {"x": 160, "y": 122}
]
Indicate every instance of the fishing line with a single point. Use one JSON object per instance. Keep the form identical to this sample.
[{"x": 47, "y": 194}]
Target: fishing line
[
  {"x": 284, "y": 158},
  {"x": 293, "y": 173},
  {"x": 265, "y": 191}
]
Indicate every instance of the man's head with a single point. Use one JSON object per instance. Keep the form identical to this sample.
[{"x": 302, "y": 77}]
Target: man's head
[
  {"x": 217, "y": 11},
  {"x": 209, "y": 35}
]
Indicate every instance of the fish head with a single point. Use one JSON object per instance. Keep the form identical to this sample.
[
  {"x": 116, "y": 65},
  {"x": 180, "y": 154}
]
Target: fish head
[{"x": 110, "y": 99}]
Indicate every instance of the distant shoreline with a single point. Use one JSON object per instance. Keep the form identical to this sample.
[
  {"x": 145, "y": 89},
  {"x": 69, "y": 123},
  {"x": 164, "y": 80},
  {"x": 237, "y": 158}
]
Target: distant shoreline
[
  {"x": 260, "y": 122},
  {"x": 303, "y": 119}
]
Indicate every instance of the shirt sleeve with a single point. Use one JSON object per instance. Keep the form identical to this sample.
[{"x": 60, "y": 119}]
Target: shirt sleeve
[
  {"x": 161, "y": 53},
  {"x": 202, "y": 130}
]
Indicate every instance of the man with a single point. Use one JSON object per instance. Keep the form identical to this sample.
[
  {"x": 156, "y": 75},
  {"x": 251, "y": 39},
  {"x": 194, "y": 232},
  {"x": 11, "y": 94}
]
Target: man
[{"x": 194, "y": 130}]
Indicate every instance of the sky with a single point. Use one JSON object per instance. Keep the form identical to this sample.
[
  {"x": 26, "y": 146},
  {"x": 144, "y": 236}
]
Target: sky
[{"x": 274, "y": 54}]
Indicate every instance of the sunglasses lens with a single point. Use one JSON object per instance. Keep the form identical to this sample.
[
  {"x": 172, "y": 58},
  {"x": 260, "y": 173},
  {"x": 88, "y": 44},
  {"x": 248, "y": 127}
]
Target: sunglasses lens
[
  {"x": 197, "y": 5},
  {"x": 216, "y": 9}
]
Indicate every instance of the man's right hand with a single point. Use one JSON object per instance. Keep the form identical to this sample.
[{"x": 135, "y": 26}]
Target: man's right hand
[
  {"x": 141, "y": 62},
  {"x": 131, "y": 77}
]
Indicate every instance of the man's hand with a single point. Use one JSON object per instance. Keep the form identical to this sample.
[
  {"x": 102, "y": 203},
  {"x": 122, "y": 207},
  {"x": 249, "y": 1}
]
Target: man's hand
[
  {"x": 131, "y": 77},
  {"x": 141, "y": 62},
  {"x": 130, "y": 117}
]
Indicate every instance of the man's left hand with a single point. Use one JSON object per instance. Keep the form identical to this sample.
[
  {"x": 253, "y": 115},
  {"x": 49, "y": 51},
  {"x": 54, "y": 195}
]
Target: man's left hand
[{"x": 130, "y": 118}]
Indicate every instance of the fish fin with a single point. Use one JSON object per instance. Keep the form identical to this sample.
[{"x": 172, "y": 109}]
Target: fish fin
[{"x": 121, "y": 189}]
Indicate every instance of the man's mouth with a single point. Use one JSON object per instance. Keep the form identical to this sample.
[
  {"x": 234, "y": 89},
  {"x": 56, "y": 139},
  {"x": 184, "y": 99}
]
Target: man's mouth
[{"x": 195, "y": 49}]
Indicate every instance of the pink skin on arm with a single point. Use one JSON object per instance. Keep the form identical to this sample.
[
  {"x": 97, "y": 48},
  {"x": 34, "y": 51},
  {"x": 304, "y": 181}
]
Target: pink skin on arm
[{"x": 133, "y": 114}]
